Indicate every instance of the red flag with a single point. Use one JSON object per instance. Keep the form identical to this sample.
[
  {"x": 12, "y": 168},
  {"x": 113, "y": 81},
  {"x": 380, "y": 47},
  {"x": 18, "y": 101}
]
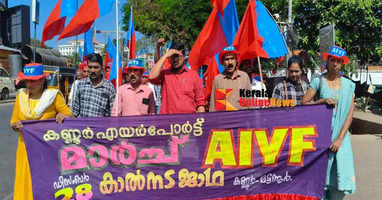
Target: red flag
[
  {"x": 83, "y": 19},
  {"x": 131, "y": 37},
  {"x": 211, "y": 73},
  {"x": 280, "y": 60},
  {"x": 83, "y": 65},
  {"x": 220, "y": 5},
  {"x": 248, "y": 42},
  {"x": 108, "y": 64},
  {"x": 54, "y": 25},
  {"x": 120, "y": 79},
  {"x": 132, "y": 47},
  {"x": 211, "y": 40}
]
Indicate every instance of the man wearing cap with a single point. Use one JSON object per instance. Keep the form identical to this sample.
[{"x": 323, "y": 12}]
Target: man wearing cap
[
  {"x": 231, "y": 81},
  {"x": 134, "y": 98},
  {"x": 182, "y": 90},
  {"x": 95, "y": 95}
]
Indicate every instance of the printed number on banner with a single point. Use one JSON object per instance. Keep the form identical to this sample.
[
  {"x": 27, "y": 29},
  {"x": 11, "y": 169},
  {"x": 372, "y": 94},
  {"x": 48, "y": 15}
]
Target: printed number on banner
[{"x": 83, "y": 192}]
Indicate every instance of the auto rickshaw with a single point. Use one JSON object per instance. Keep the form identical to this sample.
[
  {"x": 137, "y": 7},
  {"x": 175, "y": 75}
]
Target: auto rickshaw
[{"x": 60, "y": 78}]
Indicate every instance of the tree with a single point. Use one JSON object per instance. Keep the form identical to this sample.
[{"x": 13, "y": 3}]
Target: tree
[
  {"x": 181, "y": 20},
  {"x": 358, "y": 25},
  {"x": 146, "y": 45}
]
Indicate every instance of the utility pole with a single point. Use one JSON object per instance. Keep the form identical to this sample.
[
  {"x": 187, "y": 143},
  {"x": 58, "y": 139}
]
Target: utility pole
[
  {"x": 75, "y": 46},
  {"x": 35, "y": 19},
  {"x": 285, "y": 26},
  {"x": 290, "y": 22},
  {"x": 290, "y": 11}
]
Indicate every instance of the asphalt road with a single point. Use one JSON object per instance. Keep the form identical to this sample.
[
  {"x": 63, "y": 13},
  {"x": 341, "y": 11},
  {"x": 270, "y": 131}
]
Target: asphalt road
[
  {"x": 367, "y": 152},
  {"x": 8, "y": 145}
]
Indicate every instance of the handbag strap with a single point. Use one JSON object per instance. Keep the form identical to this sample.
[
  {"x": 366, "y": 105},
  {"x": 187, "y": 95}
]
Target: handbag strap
[
  {"x": 319, "y": 84},
  {"x": 286, "y": 90}
]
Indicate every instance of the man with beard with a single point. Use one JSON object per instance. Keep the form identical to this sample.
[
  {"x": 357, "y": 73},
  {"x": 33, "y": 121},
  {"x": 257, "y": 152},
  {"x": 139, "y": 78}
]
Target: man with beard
[
  {"x": 95, "y": 95},
  {"x": 134, "y": 98},
  {"x": 231, "y": 81},
  {"x": 182, "y": 90}
]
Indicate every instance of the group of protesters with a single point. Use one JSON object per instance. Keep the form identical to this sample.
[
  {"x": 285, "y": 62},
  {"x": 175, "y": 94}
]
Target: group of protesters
[{"x": 171, "y": 88}]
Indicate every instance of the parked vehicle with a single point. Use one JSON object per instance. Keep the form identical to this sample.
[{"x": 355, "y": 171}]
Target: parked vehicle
[{"x": 7, "y": 85}]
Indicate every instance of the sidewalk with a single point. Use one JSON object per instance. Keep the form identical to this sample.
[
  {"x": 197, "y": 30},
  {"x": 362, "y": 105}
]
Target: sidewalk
[{"x": 366, "y": 123}]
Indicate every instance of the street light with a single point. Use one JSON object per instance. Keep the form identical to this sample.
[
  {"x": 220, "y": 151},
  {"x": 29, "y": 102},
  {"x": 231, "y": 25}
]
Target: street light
[
  {"x": 290, "y": 11},
  {"x": 35, "y": 19}
]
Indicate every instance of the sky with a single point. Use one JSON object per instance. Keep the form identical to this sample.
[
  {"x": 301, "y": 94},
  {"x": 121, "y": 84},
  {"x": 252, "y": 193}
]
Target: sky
[{"x": 106, "y": 22}]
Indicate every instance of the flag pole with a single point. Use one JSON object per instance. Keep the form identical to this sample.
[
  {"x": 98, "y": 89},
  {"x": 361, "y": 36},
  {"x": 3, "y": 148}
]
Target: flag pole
[
  {"x": 129, "y": 42},
  {"x": 76, "y": 53},
  {"x": 117, "y": 57},
  {"x": 259, "y": 65}
]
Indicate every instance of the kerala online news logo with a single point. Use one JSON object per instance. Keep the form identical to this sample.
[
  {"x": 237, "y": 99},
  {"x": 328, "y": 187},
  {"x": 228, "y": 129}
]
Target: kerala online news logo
[{"x": 249, "y": 99}]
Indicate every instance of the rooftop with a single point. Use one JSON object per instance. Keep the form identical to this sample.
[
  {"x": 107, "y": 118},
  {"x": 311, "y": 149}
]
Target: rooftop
[{"x": 9, "y": 49}]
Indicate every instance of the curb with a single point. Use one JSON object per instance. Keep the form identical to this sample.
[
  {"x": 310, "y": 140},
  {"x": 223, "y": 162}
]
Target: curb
[
  {"x": 7, "y": 101},
  {"x": 366, "y": 123},
  {"x": 361, "y": 126}
]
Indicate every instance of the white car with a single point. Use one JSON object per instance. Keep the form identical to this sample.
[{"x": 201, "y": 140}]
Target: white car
[{"x": 7, "y": 85}]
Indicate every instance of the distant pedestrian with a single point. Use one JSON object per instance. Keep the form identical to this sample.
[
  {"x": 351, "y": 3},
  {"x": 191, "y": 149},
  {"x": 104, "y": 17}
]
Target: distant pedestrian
[{"x": 74, "y": 87}]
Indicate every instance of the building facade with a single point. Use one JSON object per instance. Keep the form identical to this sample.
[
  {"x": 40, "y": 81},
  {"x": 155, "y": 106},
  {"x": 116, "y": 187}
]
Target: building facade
[
  {"x": 71, "y": 47},
  {"x": 14, "y": 25}
]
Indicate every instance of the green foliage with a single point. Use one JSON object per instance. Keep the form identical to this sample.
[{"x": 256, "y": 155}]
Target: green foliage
[
  {"x": 358, "y": 25},
  {"x": 172, "y": 19},
  {"x": 146, "y": 45},
  {"x": 352, "y": 67}
]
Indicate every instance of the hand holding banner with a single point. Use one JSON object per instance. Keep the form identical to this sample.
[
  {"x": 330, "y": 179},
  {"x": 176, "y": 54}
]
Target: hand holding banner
[{"x": 257, "y": 154}]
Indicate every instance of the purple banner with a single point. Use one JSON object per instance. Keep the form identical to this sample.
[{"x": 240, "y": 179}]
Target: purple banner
[{"x": 253, "y": 154}]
